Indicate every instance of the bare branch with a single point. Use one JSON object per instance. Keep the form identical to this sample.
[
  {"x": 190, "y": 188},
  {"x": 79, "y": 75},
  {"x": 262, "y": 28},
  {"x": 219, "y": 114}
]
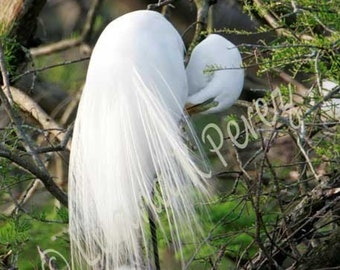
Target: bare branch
[
  {"x": 300, "y": 221},
  {"x": 56, "y": 47},
  {"x": 24, "y": 197},
  {"x": 329, "y": 95},
  {"x": 160, "y": 4},
  {"x": 38, "y": 165},
  {"x": 27, "y": 104},
  {"x": 24, "y": 161},
  {"x": 63, "y": 63},
  {"x": 72, "y": 42},
  {"x": 202, "y": 21},
  {"x": 273, "y": 22}
]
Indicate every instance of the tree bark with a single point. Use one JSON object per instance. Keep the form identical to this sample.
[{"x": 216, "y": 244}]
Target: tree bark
[{"x": 18, "y": 23}]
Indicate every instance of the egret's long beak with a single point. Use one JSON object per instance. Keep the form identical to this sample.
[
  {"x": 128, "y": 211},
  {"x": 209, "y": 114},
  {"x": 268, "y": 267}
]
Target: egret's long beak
[
  {"x": 192, "y": 109},
  {"x": 201, "y": 107}
]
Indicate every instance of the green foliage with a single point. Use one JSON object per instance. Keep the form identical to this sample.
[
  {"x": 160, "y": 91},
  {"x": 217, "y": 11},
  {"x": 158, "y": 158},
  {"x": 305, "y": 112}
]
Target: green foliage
[
  {"x": 210, "y": 69},
  {"x": 50, "y": 235},
  {"x": 307, "y": 47},
  {"x": 22, "y": 234},
  {"x": 62, "y": 214},
  {"x": 15, "y": 231},
  {"x": 309, "y": 36},
  {"x": 10, "y": 47}
]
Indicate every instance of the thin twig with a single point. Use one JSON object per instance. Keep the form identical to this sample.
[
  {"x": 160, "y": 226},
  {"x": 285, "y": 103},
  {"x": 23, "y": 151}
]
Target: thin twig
[
  {"x": 329, "y": 95},
  {"x": 24, "y": 161},
  {"x": 160, "y": 4},
  {"x": 24, "y": 197},
  {"x": 56, "y": 47},
  {"x": 67, "y": 62},
  {"x": 219, "y": 258},
  {"x": 27, "y": 104},
  {"x": 28, "y": 143},
  {"x": 62, "y": 146},
  {"x": 4, "y": 74},
  {"x": 202, "y": 21},
  {"x": 273, "y": 22}
]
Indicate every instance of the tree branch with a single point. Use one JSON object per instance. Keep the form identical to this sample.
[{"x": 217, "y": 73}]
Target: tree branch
[
  {"x": 39, "y": 166},
  {"x": 72, "y": 42},
  {"x": 23, "y": 160},
  {"x": 160, "y": 4},
  {"x": 299, "y": 223},
  {"x": 27, "y": 104},
  {"x": 273, "y": 22},
  {"x": 202, "y": 7}
]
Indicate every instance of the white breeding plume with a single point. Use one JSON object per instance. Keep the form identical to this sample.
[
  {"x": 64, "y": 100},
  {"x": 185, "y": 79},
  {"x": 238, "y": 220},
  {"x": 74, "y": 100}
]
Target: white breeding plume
[{"x": 126, "y": 137}]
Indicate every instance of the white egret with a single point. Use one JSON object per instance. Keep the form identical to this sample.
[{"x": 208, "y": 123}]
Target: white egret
[
  {"x": 215, "y": 74},
  {"x": 327, "y": 101},
  {"x": 126, "y": 135},
  {"x": 331, "y": 106}
]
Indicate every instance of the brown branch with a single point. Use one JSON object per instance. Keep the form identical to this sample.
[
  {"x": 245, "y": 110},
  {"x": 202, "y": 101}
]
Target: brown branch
[
  {"x": 329, "y": 95},
  {"x": 24, "y": 161},
  {"x": 56, "y": 47},
  {"x": 201, "y": 22},
  {"x": 27, "y": 141},
  {"x": 220, "y": 255},
  {"x": 160, "y": 4},
  {"x": 60, "y": 64},
  {"x": 72, "y": 42},
  {"x": 24, "y": 197},
  {"x": 273, "y": 22},
  {"x": 324, "y": 256},
  {"x": 302, "y": 91},
  {"x": 27, "y": 104},
  {"x": 300, "y": 222}
]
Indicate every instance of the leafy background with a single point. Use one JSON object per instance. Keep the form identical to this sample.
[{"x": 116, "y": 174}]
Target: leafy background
[{"x": 278, "y": 196}]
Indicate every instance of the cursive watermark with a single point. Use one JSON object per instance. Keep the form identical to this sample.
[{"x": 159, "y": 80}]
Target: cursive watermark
[
  {"x": 49, "y": 258},
  {"x": 268, "y": 112}
]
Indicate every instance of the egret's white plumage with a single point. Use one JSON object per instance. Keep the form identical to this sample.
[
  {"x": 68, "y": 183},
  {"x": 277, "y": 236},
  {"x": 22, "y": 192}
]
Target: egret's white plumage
[
  {"x": 332, "y": 106},
  {"x": 126, "y": 134},
  {"x": 224, "y": 85}
]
